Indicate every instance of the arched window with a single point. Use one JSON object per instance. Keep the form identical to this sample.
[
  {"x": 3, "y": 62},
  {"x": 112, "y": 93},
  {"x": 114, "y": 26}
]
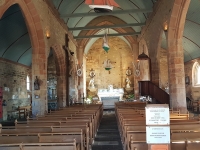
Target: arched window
[
  {"x": 28, "y": 83},
  {"x": 196, "y": 74}
]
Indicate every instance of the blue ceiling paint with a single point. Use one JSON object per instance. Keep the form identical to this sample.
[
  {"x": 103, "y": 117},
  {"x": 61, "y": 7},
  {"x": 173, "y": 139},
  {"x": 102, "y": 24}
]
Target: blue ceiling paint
[
  {"x": 15, "y": 44},
  {"x": 14, "y": 37}
]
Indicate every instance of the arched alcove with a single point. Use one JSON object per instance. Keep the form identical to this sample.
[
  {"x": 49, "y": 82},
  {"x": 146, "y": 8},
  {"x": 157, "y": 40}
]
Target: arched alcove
[
  {"x": 15, "y": 60},
  {"x": 51, "y": 81},
  {"x": 120, "y": 56}
]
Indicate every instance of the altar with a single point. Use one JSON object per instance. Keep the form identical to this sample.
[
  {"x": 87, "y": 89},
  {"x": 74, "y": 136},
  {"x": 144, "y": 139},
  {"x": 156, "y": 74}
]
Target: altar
[{"x": 109, "y": 96}]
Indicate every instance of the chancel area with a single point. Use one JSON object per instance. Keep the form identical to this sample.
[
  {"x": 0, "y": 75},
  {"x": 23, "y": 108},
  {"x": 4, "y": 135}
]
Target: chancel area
[{"x": 99, "y": 74}]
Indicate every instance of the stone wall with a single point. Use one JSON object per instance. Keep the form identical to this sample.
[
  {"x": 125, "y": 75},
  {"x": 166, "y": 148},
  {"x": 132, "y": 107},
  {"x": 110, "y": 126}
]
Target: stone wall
[
  {"x": 191, "y": 91},
  {"x": 51, "y": 22},
  {"x": 121, "y": 57},
  {"x": 51, "y": 78},
  {"x": 163, "y": 68},
  {"x": 13, "y": 80}
]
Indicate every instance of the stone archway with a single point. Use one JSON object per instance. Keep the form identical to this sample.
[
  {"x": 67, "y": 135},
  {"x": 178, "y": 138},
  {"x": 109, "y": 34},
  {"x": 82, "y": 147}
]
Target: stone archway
[
  {"x": 39, "y": 58},
  {"x": 109, "y": 20},
  {"x": 61, "y": 68},
  {"x": 176, "y": 53},
  {"x": 100, "y": 21}
]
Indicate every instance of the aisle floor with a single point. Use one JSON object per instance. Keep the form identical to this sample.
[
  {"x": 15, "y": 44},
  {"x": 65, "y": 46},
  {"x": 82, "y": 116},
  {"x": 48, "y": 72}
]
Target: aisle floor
[{"x": 108, "y": 137}]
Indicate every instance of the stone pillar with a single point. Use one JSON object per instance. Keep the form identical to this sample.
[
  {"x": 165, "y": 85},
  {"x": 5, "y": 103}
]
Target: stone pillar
[
  {"x": 154, "y": 72},
  {"x": 39, "y": 69},
  {"x": 135, "y": 47},
  {"x": 61, "y": 91},
  {"x": 176, "y": 75},
  {"x": 80, "y": 78}
]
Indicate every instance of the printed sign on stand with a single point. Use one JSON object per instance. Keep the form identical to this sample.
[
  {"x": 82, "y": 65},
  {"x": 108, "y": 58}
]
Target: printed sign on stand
[
  {"x": 157, "y": 126},
  {"x": 157, "y": 114},
  {"x": 157, "y": 134}
]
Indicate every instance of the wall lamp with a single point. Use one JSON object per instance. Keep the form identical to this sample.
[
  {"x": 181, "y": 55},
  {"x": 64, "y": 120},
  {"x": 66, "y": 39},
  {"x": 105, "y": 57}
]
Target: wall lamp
[
  {"x": 48, "y": 34},
  {"x": 165, "y": 27}
]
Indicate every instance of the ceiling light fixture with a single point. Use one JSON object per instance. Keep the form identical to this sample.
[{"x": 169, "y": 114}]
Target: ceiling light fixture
[{"x": 105, "y": 42}]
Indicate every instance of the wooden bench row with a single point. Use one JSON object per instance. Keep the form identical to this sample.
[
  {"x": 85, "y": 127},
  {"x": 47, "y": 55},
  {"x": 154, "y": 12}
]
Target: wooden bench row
[
  {"x": 63, "y": 126},
  {"x": 132, "y": 127}
]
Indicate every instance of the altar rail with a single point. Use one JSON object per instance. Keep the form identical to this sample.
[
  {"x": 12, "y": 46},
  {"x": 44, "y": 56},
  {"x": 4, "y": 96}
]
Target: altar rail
[{"x": 149, "y": 88}]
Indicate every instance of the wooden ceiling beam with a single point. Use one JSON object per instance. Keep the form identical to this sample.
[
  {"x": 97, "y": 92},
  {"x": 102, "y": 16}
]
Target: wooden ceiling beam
[
  {"x": 106, "y": 14},
  {"x": 106, "y": 26},
  {"x": 101, "y": 35}
]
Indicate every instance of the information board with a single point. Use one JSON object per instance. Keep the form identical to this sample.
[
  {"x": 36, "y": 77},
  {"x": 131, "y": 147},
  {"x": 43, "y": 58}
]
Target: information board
[
  {"x": 157, "y": 134},
  {"x": 157, "y": 114}
]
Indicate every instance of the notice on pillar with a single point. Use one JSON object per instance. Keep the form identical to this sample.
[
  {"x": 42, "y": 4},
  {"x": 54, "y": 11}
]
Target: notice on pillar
[
  {"x": 157, "y": 134},
  {"x": 157, "y": 114}
]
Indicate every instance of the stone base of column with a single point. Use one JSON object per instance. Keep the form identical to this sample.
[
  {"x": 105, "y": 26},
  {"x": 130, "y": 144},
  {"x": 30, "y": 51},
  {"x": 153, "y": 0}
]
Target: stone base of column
[{"x": 183, "y": 110}]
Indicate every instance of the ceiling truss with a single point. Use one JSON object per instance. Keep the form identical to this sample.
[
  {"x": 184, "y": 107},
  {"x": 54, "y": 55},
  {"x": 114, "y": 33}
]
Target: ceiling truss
[
  {"x": 106, "y": 26},
  {"x": 101, "y": 35},
  {"x": 106, "y": 14}
]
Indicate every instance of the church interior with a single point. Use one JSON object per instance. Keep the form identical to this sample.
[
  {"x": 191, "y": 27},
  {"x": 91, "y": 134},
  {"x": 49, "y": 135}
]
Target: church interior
[{"x": 96, "y": 66}]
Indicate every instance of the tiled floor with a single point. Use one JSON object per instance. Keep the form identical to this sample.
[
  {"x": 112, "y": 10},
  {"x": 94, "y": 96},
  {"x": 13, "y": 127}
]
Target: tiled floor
[{"x": 108, "y": 137}]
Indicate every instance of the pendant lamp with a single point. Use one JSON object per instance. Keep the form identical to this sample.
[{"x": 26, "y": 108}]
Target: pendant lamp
[{"x": 105, "y": 43}]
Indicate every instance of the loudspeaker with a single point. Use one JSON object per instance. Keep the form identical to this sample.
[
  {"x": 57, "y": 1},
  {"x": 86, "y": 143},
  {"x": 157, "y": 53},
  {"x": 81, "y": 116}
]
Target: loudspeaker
[{"x": 187, "y": 80}]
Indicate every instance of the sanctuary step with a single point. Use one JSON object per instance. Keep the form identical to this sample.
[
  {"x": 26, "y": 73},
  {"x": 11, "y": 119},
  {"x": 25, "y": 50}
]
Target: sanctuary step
[{"x": 108, "y": 137}]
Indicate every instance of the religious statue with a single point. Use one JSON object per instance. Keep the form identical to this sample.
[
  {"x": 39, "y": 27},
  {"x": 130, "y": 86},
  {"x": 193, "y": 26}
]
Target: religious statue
[
  {"x": 128, "y": 82},
  {"x": 36, "y": 84},
  {"x": 91, "y": 83}
]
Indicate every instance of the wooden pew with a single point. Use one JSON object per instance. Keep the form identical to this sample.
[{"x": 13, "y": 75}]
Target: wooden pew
[
  {"x": 70, "y": 123},
  {"x": 132, "y": 125},
  {"x": 40, "y": 146},
  {"x": 57, "y": 130},
  {"x": 67, "y": 121},
  {"x": 43, "y": 138}
]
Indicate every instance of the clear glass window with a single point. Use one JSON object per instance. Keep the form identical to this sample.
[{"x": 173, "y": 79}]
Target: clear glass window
[
  {"x": 28, "y": 83},
  {"x": 196, "y": 74}
]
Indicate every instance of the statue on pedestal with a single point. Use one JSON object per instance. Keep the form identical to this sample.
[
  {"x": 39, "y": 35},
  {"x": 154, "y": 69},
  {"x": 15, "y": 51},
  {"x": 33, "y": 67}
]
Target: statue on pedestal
[
  {"x": 91, "y": 83},
  {"x": 128, "y": 82}
]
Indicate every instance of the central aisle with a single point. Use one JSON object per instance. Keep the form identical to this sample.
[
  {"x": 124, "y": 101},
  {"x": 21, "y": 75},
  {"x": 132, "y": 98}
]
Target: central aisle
[{"x": 108, "y": 137}]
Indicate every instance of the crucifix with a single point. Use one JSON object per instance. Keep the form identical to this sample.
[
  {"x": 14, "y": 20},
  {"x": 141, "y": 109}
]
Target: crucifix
[
  {"x": 67, "y": 57},
  {"x": 70, "y": 56}
]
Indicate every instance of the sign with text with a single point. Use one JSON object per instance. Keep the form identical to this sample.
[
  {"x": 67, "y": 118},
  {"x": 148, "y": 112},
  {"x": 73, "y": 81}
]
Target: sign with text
[
  {"x": 157, "y": 114},
  {"x": 157, "y": 134}
]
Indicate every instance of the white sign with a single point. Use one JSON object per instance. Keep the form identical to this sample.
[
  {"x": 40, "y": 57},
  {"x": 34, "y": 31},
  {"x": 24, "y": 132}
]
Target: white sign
[
  {"x": 158, "y": 134},
  {"x": 157, "y": 114}
]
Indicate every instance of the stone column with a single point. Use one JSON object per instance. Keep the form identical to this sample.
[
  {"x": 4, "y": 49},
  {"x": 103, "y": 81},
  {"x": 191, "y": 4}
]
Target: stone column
[
  {"x": 135, "y": 47},
  {"x": 176, "y": 75},
  {"x": 80, "y": 78},
  {"x": 154, "y": 72},
  {"x": 39, "y": 97},
  {"x": 61, "y": 91}
]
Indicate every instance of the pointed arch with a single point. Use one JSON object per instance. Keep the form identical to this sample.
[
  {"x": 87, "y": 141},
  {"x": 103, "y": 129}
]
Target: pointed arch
[{"x": 39, "y": 56}]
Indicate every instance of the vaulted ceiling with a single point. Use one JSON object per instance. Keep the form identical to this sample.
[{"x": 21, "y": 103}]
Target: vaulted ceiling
[{"x": 15, "y": 43}]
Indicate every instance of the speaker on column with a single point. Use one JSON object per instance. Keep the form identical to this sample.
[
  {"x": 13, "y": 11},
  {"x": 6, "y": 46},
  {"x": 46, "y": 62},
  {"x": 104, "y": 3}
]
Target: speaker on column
[{"x": 187, "y": 80}]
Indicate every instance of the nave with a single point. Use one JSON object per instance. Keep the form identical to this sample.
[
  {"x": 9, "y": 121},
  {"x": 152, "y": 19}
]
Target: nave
[
  {"x": 108, "y": 137},
  {"x": 89, "y": 127}
]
